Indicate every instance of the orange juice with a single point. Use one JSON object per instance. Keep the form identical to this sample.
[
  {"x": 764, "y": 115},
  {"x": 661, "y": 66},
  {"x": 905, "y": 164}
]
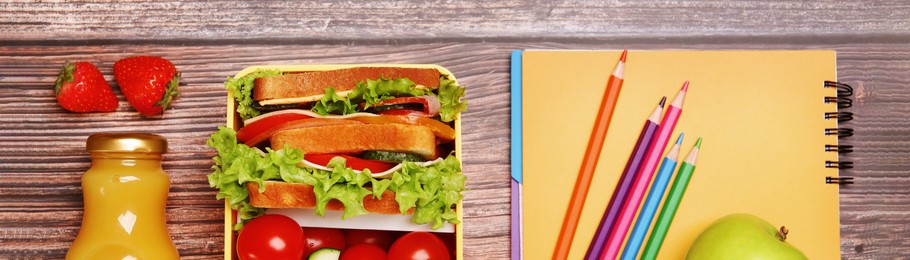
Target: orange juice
[{"x": 125, "y": 192}]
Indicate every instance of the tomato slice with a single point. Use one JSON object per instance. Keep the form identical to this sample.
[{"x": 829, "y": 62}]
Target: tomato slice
[
  {"x": 404, "y": 112},
  {"x": 441, "y": 130},
  {"x": 300, "y": 123},
  {"x": 261, "y": 125},
  {"x": 353, "y": 162}
]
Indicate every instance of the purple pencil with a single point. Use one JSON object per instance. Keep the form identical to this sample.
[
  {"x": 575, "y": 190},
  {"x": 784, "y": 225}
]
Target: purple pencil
[{"x": 625, "y": 183}]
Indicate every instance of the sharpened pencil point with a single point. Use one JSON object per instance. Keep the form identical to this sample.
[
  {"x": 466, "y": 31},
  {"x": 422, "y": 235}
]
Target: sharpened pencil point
[
  {"x": 698, "y": 143},
  {"x": 685, "y": 86},
  {"x": 679, "y": 140},
  {"x": 662, "y": 101},
  {"x": 623, "y": 57}
]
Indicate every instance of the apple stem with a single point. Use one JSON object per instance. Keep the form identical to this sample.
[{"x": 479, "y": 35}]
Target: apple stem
[{"x": 782, "y": 234}]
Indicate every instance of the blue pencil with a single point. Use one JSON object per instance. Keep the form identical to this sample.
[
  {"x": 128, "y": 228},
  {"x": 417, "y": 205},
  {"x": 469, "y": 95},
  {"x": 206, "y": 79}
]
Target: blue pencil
[{"x": 648, "y": 210}]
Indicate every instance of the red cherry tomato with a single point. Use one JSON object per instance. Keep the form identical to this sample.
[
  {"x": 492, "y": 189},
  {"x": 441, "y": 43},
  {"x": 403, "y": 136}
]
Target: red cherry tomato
[
  {"x": 318, "y": 238},
  {"x": 353, "y": 162},
  {"x": 383, "y": 239},
  {"x": 363, "y": 251},
  {"x": 419, "y": 246},
  {"x": 270, "y": 237}
]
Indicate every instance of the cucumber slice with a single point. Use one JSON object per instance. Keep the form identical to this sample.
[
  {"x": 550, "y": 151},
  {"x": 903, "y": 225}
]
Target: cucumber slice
[
  {"x": 325, "y": 254},
  {"x": 391, "y": 156},
  {"x": 409, "y": 106},
  {"x": 270, "y": 108}
]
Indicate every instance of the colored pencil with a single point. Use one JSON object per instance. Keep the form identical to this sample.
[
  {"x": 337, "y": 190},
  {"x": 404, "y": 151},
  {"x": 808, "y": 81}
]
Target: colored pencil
[
  {"x": 589, "y": 162},
  {"x": 671, "y": 204},
  {"x": 625, "y": 182},
  {"x": 661, "y": 180},
  {"x": 655, "y": 151}
]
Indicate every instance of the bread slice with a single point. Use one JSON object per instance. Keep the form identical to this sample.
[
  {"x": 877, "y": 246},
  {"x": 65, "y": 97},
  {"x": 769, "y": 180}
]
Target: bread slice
[
  {"x": 349, "y": 139},
  {"x": 298, "y": 195},
  {"x": 314, "y": 83}
]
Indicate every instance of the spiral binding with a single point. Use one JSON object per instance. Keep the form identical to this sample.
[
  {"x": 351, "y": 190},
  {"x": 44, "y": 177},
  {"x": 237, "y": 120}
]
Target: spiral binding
[
  {"x": 836, "y": 180},
  {"x": 844, "y": 91},
  {"x": 840, "y": 116}
]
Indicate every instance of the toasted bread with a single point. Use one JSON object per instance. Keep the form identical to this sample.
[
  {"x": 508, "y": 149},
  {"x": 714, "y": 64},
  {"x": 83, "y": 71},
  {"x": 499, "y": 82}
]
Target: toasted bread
[
  {"x": 299, "y": 195},
  {"x": 348, "y": 139},
  {"x": 314, "y": 83}
]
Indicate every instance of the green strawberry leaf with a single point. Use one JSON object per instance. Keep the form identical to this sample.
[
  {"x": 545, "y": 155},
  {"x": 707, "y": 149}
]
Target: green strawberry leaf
[
  {"x": 170, "y": 93},
  {"x": 66, "y": 75}
]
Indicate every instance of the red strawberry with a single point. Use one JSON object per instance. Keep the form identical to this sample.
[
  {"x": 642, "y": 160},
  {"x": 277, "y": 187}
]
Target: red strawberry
[
  {"x": 149, "y": 83},
  {"x": 81, "y": 88}
]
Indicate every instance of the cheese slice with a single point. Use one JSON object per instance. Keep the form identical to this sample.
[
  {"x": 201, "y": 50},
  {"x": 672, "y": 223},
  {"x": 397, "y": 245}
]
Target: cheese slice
[{"x": 298, "y": 100}]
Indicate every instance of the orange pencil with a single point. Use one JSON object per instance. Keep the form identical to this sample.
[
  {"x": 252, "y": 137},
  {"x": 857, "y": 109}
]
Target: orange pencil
[{"x": 592, "y": 153}]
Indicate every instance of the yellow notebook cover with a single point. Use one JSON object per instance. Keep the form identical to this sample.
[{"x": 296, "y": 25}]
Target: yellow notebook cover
[{"x": 761, "y": 114}]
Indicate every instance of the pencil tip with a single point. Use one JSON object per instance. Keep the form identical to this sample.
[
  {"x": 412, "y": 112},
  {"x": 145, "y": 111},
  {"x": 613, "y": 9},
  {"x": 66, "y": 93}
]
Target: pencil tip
[
  {"x": 698, "y": 143},
  {"x": 623, "y": 57},
  {"x": 685, "y": 86},
  {"x": 679, "y": 140},
  {"x": 663, "y": 101}
]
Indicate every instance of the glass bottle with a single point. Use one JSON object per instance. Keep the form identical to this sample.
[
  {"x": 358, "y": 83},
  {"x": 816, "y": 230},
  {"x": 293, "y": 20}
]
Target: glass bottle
[{"x": 125, "y": 192}]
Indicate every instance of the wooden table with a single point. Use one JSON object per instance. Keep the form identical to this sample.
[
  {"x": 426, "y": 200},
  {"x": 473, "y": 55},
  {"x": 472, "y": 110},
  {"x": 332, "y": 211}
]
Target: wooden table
[{"x": 42, "y": 146}]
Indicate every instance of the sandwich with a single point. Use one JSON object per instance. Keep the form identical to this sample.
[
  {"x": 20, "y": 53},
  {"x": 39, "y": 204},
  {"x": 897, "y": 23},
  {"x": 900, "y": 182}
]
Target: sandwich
[{"x": 363, "y": 140}]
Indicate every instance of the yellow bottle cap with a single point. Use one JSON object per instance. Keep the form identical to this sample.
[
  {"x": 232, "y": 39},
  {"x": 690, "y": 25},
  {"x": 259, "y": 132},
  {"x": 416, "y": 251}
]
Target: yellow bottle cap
[{"x": 126, "y": 142}]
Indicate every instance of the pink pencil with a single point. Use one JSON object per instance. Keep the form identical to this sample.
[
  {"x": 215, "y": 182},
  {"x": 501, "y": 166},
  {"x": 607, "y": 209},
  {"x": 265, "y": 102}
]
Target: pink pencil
[{"x": 639, "y": 187}]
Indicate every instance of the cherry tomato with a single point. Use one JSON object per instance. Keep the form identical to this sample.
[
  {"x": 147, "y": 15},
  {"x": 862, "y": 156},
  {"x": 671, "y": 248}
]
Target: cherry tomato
[
  {"x": 262, "y": 124},
  {"x": 271, "y": 237},
  {"x": 363, "y": 251},
  {"x": 383, "y": 239},
  {"x": 419, "y": 246},
  {"x": 323, "y": 237},
  {"x": 350, "y": 161}
]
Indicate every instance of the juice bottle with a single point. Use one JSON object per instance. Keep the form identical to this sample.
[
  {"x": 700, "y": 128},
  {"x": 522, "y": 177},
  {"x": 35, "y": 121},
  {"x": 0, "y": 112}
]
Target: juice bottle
[{"x": 125, "y": 192}]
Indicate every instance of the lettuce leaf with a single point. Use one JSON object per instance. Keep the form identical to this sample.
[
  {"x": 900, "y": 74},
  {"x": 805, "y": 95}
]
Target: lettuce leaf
[
  {"x": 331, "y": 103},
  {"x": 242, "y": 88},
  {"x": 371, "y": 92},
  {"x": 450, "y": 98},
  {"x": 433, "y": 191},
  {"x": 368, "y": 92}
]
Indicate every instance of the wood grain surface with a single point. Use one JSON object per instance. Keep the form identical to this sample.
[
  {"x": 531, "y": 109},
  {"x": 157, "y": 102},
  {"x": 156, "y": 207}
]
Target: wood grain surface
[
  {"x": 395, "y": 19},
  {"x": 42, "y": 146}
]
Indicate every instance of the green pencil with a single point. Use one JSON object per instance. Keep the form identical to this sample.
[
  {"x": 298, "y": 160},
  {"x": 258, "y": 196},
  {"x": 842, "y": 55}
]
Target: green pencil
[{"x": 671, "y": 204}]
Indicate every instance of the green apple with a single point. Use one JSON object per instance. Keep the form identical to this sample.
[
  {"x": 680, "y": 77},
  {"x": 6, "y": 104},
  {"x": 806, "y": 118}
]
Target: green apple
[{"x": 742, "y": 236}]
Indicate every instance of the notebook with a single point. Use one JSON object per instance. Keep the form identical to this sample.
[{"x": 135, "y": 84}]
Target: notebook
[{"x": 762, "y": 115}]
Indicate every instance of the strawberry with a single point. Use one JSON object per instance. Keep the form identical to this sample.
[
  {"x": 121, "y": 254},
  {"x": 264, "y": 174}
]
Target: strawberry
[
  {"x": 80, "y": 87},
  {"x": 149, "y": 83}
]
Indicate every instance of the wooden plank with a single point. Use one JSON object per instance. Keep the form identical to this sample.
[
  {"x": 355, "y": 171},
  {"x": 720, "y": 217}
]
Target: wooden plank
[
  {"x": 389, "y": 20},
  {"x": 42, "y": 157}
]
